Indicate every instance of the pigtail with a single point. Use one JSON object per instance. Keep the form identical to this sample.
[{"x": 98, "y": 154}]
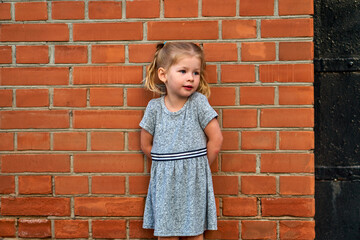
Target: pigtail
[{"x": 151, "y": 78}]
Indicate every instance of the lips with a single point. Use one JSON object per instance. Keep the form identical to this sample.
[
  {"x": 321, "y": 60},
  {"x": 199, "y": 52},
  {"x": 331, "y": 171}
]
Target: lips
[{"x": 188, "y": 87}]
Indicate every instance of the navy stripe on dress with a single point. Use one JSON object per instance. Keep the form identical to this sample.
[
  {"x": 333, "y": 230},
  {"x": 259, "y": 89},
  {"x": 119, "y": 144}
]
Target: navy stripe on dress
[{"x": 178, "y": 156}]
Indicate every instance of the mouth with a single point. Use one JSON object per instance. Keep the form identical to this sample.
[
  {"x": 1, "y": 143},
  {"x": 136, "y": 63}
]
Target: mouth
[{"x": 188, "y": 87}]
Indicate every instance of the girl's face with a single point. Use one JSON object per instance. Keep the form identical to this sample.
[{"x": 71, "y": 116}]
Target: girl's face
[{"x": 182, "y": 78}]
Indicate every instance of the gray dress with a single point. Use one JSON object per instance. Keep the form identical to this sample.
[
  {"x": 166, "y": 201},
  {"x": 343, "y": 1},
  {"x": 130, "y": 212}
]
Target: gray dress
[{"x": 180, "y": 200}]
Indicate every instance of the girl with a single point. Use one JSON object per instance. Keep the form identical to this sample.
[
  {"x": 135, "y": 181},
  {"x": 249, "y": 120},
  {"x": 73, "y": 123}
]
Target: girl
[{"x": 181, "y": 134}]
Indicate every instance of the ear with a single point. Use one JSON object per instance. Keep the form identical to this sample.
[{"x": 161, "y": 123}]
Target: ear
[{"x": 162, "y": 75}]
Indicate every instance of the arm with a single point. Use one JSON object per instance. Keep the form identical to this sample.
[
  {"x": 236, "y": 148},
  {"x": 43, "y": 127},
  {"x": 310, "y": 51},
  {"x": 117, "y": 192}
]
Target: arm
[
  {"x": 146, "y": 141},
  {"x": 215, "y": 138}
]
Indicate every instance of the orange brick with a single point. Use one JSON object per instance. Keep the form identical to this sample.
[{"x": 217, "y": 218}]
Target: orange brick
[
  {"x": 7, "y": 186},
  {"x": 239, "y": 118},
  {"x": 211, "y": 74},
  {"x": 301, "y": 27},
  {"x": 227, "y": 229},
  {"x": 69, "y": 97},
  {"x": 214, "y": 8},
  {"x": 139, "y": 53},
  {"x": 297, "y": 229},
  {"x": 71, "y": 185},
  {"x": 178, "y": 9},
  {"x": 258, "y": 229},
  {"x": 186, "y": 30},
  {"x": 231, "y": 140},
  {"x": 232, "y": 162},
  {"x": 297, "y": 185},
  {"x": 5, "y": 52},
  {"x": 109, "y": 228},
  {"x": 35, "y": 185},
  {"x": 258, "y": 185},
  {"x": 296, "y": 51},
  {"x": 34, "y": 228},
  {"x": 111, "y": 141},
  {"x": 239, "y": 207},
  {"x": 7, "y": 226},
  {"x": 6, "y": 97},
  {"x": 295, "y": 207},
  {"x": 287, "y": 73},
  {"x": 237, "y": 73},
  {"x": 258, "y": 51},
  {"x": 106, "y": 97},
  {"x": 71, "y": 54},
  {"x": 257, "y": 95},
  {"x": 134, "y": 141},
  {"x": 68, "y": 10},
  {"x": 256, "y": 8},
  {"x": 139, "y": 97},
  {"x": 221, "y": 96},
  {"x": 238, "y": 29},
  {"x": 143, "y": 9},
  {"x": 220, "y": 52},
  {"x": 105, "y": 10},
  {"x": 107, "y": 53},
  {"x": 265, "y": 140},
  {"x": 32, "y": 97},
  {"x": 296, "y": 95},
  {"x": 287, "y": 163},
  {"x": 290, "y": 7},
  {"x": 70, "y": 141},
  {"x": 137, "y": 231},
  {"x": 287, "y": 117},
  {"x": 32, "y": 54},
  {"x": 226, "y": 184},
  {"x": 71, "y": 228},
  {"x": 33, "y": 141},
  {"x": 7, "y": 141},
  {"x": 30, "y": 11},
  {"x": 5, "y": 11},
  {"x": 108, "y": 185},
  {"x": 297, "y": 140},
  {"x": 138, "y": 184}
]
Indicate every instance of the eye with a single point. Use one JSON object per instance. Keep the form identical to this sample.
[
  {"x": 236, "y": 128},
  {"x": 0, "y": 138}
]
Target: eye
[
  {"x": 196, "y": 73},
  {"x": 182, "y": 71}
]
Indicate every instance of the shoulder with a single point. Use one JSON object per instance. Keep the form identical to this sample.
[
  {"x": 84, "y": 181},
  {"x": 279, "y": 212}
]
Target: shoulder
[
  {"x": 154, "y": 103},
  {"x": 199, "y": 98}
]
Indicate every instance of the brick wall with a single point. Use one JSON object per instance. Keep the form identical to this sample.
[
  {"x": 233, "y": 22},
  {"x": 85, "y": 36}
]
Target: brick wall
[{"x": 71, "y": 99}]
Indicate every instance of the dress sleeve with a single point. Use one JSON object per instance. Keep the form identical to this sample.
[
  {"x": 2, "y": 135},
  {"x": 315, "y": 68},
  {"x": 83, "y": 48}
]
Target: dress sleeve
[
  {"x": 205, "y": 111},
  {"x": 149, "y": 119}
]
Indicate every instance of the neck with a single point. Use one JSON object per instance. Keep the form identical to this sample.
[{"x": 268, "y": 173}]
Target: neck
[{"x": 174, "y": 104}]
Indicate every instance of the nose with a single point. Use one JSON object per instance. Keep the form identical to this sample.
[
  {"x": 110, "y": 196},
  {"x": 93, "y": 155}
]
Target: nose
[{"x": 191, "y": 77}]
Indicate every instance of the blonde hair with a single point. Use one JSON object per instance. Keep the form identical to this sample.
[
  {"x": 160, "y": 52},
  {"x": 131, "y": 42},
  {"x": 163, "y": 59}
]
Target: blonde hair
[{"x": 169, "y": 54}]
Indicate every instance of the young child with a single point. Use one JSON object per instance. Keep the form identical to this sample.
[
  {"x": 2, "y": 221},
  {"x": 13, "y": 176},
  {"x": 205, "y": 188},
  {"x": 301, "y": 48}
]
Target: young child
[{"x": 181, "y": 134}]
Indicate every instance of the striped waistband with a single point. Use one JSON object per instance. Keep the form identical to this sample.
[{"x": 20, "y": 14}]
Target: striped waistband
[{"x": 178, "y": 156}]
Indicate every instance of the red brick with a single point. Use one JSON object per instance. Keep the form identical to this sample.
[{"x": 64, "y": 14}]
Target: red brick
[
  {"x": 139, "y": 97},
  {"x": 32, "y": 97},
  {"x": 232, "y": 162},
  {"x": 296, "y": 51},
  {"x": 107, "y": 118},
  {"x": 257, "y": 95},
  {"x": 34, "y": 119},
  {"x": 231, "y": 140},
  {"x": 258, "y": 185},
  {"x": 296, "y": 95},
  {"x": 256, "y": 8},
  {"x": 111, "y": 141},
  {"x": 108, "y": 185},
  {"x": 290, "y": 7},
  {"x": 6, "y": 97},
  {"x": 107, "y": 53},
  {"x": 7, "y": 141},
  {"x": 238, "y": 29},
  {"x": 297, "y": 185},
  {"x": 30, "y": 11},
  {"x": 239, "y": 207},
  {"x": 105, "y": 10},
  {"x": 108, "y": 75},
  {"x": 215, "y": 52},
  {"x": 178, "y": 9},
  {"x": 287, "y": 117},
  {"x": 108, "y": 31},
  {"x": 5, "y": 11},
  {"x": 68, "y": 10},
  {"x": 239, "y": 118},
  {"x": 139, "y": 53},
  {"x": 71, "y": 229},
  {"x": 36, "y": 32},
  {"x": 5, "y": 51},
  {"x": 138, "y": 184},
  {"x": 300, "y": 27},
  {"x": 258, "y": 51},
  {"x": 35, "y": 163},
  {"x": 264, "y": 140},
  {"x": 287, "y": 73},
  {"x": 106, "y": 97},
  {"x": 297, "y": 229},
  {"x": 109, "y": 228},
  {"x": 227, "y": 229},
  {"x": 237, "y": 73},
  {"x": 70, "y": 141},
  {"x": 69, "y": 97},
  {"x": 226, "y": 184},
  {"x": 34, "y": 228},
  {"x": 186, "y": 30},
  {"x": 109, "y": 163},
  {"x": 258, "y": 229},
  {"x": 295, "y": 207},
  {"x": 7, "y": 186},
  {"x": 214, "y": 8},
  {"x": 143, "y": 9},
  {"x": 71, "y": 54},
  {"x": 71, "y": 185},
  {"x": 7, "y": 226},
  {"x": 35, "y": 206},
  {"x": 134, "y": 141},
  {"x": 287, "y": 163},
  {"x": 34, "y": 76},
  {"x": 137, "y": 231},
  {"x": 111, "y": 206},
  {"x": 221, "y": 96},
  {"x": 211, "y": 74},
  {"x": 32, "y": 54},
  {"x": 33, "y": 141},
  {"x": 35, "y": 185},
  {"x": 297, "y": 140}
]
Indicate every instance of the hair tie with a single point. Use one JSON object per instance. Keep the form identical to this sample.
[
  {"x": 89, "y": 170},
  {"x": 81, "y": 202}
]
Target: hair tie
[{"x": 164, "y": 42}]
